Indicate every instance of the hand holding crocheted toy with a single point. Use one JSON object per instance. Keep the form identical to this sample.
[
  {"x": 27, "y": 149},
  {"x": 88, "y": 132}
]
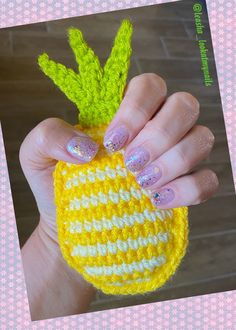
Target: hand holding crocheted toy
[{"x": 123, "y": 182}]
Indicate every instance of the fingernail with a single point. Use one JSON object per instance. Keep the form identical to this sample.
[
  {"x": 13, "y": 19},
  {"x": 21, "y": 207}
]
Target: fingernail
[
  {"x": 82, "y": 148},
  {"x": 137, "y": 159},
  {"x": 150, "y": 175},
  {"x": 116, "y": 139},
  {"x": 163, "y": 197}
]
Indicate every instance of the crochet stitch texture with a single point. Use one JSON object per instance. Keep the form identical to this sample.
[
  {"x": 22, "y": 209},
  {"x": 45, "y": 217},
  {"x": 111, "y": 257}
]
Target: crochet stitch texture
[{"x": 108, "y": 229}]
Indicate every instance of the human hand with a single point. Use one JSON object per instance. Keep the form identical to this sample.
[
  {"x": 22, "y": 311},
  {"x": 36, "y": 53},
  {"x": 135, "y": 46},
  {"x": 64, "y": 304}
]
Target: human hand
[
  {"x": 167, "y": 139},
  {"x": 163, "y": 143},
  {"x": 51, "y": 140},
  {"x": 54, "y": 288}
]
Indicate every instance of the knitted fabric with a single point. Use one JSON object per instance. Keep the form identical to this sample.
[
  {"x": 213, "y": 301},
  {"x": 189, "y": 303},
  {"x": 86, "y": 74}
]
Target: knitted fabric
[{"x": 108, "y": 228}]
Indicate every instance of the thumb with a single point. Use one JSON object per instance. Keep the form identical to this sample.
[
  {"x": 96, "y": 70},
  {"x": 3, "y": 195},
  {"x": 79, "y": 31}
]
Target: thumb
[
  {"x": 54, "y": 139},
  {"x": 50, "y": 141}
]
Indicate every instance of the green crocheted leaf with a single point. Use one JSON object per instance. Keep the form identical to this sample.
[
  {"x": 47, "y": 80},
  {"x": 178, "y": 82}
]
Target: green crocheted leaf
[
  {"x": 96, "y": 91},
  {"x": 116, "y": 68},
  {"x": 84, "y": 56},
  {"x": 66, "y": 79}
]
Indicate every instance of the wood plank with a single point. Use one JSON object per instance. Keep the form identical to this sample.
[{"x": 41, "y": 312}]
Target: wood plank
[
  {"x": 34, "y": 45},
  {"x": 5, "y": 42},
  {"x": 20, "y": 68},
  {"x": 220, "y": 152},
  {"x": 92, "y": 26},
  {"x": 148, "y": 48},
  {"x": 191, "y": 29},
  {"x": 25, "y": 227},
  {"x": 208, "y": 286},
  {"x": 208, "y": 259},
  {"x": 215, "y": 215},
  {"x": 208, "y": 97},
  {"x": 212, "y": 116},
  {"x": 174, "y": 69},
  {"x": 28, "y": 28},
  {"x": 223, "y": 171},
  {"x": 107, "y": 24},
  {"x": 225, "y": 176},
  {"x": 182, "y": 47}
]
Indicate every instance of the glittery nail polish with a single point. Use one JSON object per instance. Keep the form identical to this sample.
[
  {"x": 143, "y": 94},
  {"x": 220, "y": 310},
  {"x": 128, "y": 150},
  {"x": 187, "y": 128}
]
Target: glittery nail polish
[
  {"x": 116, "y": 138},
  {"x": 82, "y": 148},
  {"x": 163, "y": 197},
  {"x": 150, "y": 175},
  {"x": 137, "y": 159}
]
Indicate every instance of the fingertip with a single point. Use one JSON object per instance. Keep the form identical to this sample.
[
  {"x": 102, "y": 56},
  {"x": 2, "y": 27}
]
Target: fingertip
[
  {"x": 54, "y": 139},
  {"x": 116, "y": 138},
  {"x": 163, "y": 197},
  {"x": 82, "y": 148}
]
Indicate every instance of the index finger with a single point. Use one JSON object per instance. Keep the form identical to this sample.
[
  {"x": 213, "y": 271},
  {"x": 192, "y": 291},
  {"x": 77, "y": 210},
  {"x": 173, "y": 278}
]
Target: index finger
[{"x": 144, "y": 95}]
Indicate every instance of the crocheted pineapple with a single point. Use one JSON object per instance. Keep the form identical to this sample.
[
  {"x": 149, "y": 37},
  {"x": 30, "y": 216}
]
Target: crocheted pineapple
[{"x": 108, "y": 229}]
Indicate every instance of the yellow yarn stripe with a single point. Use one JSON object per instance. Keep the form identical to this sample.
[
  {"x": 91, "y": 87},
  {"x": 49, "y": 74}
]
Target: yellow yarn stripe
[
  {"x": 97, "y": 198},
  {"x": 136, "y": 280},
  {"x": 146, "y": 228},
  {"x": 102, "y": 224},
  {"x": 148, "y": 252},
  {"x": 114, "y": 247},
  {"x": 94, "y": 218}
]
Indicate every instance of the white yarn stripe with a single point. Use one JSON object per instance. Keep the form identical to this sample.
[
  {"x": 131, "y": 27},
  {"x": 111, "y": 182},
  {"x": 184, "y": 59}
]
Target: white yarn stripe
[
  {"x": 124, "y": 268},
  {"x": 114, "y": 197},
  {"x": 93, "y": 176},
  {"x": 119, "y": 222},
  {"x": 122, "y": 245}
]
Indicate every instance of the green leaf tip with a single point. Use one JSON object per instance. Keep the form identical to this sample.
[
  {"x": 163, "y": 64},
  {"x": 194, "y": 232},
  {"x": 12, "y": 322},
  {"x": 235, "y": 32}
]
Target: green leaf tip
[{"x": 96, "y": 91}]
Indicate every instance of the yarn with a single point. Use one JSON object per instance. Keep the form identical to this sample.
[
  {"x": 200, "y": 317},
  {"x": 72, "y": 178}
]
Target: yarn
[
  {"x": 96, "y": 91},
  {"x": 108, "y": 228}
]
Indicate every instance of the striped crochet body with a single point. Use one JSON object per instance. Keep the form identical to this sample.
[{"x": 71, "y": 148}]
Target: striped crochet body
[{"x": 108, "y": 228}]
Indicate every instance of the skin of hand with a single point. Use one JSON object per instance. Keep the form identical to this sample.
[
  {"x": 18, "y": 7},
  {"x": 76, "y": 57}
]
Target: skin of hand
[{"x": 162, "y": 145}]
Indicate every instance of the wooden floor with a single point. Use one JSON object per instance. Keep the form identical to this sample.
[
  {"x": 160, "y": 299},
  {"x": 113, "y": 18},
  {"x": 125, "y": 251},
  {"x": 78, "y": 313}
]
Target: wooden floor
[{"x": 164, "y": 43}]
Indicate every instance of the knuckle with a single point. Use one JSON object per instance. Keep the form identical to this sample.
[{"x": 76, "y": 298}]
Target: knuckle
[
  {"x": 183, "y": 159},
  {"x": 45, "y": 127},
  {"x": 150, "y": 127},
  {"x": 200, "y": 195},
  {"x": 49, "y": 123},
  {"x": 154, "y": 130},
  {"x": 158, "y": 82},
  {"x": 211, "y": 137},
  {"x": 208, "y": 135},
  {"x": 213, "y": 178},
  {"x": 185, "y": 97},
  {"x": 151, "y": 80},
  {"x": 138, "y": 109},
  {"x": 133, "y": 80},
  {"x": 206, "y": 185}
]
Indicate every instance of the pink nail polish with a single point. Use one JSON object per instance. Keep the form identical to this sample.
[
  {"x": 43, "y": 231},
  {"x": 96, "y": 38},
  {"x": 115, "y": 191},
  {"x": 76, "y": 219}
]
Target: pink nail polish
[
  {"x": 163, "y": 197},
  {"x": 82, "y": 148},
  {"x": 137, "y": 159},
  {"x": 116, "y": 139},
  {"x": 150, "y": 175}
]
